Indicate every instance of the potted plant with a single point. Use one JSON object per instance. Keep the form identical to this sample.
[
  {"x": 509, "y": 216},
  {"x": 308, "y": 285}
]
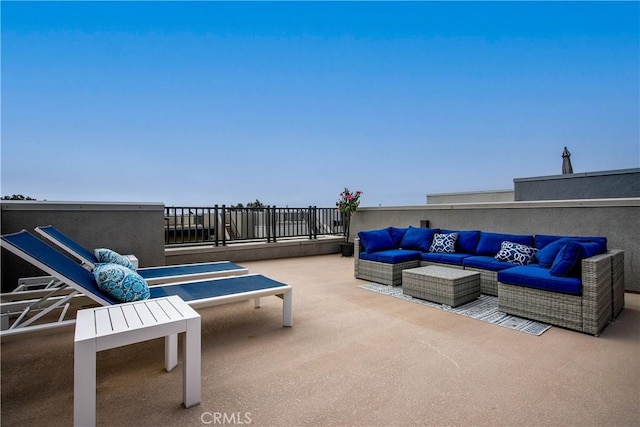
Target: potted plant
[{"x": 347, "y": 204}]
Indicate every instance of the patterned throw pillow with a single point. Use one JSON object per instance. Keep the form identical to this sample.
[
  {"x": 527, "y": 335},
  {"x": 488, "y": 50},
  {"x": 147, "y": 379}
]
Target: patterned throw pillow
[
  {"x": 515, "y": 253},
  {"x": 121, "y": 283},
  {"x": 444, "y": 243},
  {"x": 112, "y": 257}
]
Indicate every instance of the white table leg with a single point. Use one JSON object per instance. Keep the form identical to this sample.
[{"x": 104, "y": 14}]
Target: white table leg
[
  {"x": 256, "y": 302},
  {"x": 84, "y": 383},
  {"x": 287, "y": 308},
  {"x": 170, "y": 351},
  {"x": 191, "y": 374}
]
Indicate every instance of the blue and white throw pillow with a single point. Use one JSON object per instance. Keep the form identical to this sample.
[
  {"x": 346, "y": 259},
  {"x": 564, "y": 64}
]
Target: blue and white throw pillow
[
  {"x": 515, "y": 253},
  {"x": 444, "y": 243},
  {"x": 109, "y": 256},
  {"x": 120, "y": 282}
]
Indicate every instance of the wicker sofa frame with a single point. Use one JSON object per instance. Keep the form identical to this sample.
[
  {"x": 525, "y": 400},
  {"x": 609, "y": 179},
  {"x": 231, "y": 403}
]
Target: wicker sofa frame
[{"x": 601, "y": 301}]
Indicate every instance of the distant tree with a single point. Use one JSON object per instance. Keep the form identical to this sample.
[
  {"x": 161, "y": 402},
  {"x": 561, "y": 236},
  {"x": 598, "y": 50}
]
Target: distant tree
[
  {"x": 17, "y": 197},
  {"x": 256, "y": 205}
]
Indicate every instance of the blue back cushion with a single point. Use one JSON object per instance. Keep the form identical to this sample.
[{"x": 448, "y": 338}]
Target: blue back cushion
[
  {"x": 376, "y": 240},
  {"x": 568, "y": 260},
  {"x": 397, "y": 234},
  {"x": 547, "y": 255},
  {"x": 467, "y": 240},
  {"x": 490, "y": 243},
  {"x": 542, "y": 240},
  {"x": 418, "y": 239}
]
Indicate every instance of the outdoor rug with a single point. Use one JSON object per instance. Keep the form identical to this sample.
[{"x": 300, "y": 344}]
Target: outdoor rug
[{"x": 484, "y": 308}]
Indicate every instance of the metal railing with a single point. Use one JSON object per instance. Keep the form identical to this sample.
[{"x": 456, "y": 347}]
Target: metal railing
[{"x": 220, "y": 225}]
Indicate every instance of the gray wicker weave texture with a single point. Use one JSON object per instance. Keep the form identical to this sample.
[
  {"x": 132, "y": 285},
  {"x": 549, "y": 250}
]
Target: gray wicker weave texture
[
  {"x": 380, "y": 272},
  {"x": 488, "y": 280},
  {"x": 617, "y": 279},
  {"x": 439, "y": 264},
  {"x": 589, "y": 312},
  {"x": 443, "y": 285}
]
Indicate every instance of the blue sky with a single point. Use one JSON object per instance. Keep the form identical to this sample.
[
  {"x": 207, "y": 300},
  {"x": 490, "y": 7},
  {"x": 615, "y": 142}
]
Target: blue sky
[{"x": 197, "y": 103}]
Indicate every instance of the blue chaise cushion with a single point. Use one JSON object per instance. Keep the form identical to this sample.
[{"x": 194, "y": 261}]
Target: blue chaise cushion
[
  {"x": 120, "y": 282},
  {"x": 490, "y": 243},
  {"x": 376, "y": 240},
  {"x": 534, "y": 276},
  {"x": 105, "y": 255},
  {"x": 418, "y": 238},
  {"x": 397, "y": 233},
  {"x": 391, "y": 256}
]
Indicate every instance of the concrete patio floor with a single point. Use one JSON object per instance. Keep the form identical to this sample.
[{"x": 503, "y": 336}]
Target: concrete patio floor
[{"x": 353, "y": 357}]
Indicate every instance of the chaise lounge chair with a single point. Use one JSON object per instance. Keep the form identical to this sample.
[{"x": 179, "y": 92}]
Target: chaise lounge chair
[
  {"x": 198, "y": 294},
  {"x": 153, "y": 275}
]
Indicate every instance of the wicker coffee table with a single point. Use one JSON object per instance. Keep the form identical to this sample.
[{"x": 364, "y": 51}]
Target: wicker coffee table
[{"x": 443, "y": 285}]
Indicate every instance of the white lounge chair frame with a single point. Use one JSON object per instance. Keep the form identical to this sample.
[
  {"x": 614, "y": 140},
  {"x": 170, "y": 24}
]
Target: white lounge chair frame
[
  {"x": 85, "y": 256},
  {"x": 62, "y": 296}
]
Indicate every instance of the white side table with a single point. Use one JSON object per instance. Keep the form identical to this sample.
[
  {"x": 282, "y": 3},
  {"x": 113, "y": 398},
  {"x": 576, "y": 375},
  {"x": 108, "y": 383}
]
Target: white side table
[{"x": 103, "y": 328}]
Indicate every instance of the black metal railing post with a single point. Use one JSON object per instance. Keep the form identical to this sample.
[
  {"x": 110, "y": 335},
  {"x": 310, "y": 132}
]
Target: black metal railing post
[
  {"x": 224, "y": 225},
  {"x": 274, "y": 223},
  {"x": 216, "y": 226},
  {"x": 199, "y": 225}
]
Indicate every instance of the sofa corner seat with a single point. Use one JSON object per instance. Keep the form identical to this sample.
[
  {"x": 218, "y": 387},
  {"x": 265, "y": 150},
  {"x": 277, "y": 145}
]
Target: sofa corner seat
[
  {"x": 585, "y": 304},
  {"x": 385, "y": 266}
]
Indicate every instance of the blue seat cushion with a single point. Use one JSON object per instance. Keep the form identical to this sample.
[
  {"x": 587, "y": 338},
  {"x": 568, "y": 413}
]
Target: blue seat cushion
[
  {"x": 547, "y": 255},
  {"x": 490, "y": 243},
  {"x": 391, "y": 256},
  {"x": 376, "y": 240},
  {"x": 467, "y": 240},
  {"x": 397, "y": 233},
  {"x": 534, "y": 276},
  {"x": 455, "y": 258},
  {"x": 486, "y": 263},
  {"x": 418, "y": 238}
]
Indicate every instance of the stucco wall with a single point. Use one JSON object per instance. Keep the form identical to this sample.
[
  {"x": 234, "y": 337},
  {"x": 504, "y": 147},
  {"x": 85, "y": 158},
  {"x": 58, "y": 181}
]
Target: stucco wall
[
  {"x": 616, "y": 219},
  {"x": 127, "y": 228},
  {"x": 283, "y": 248}
]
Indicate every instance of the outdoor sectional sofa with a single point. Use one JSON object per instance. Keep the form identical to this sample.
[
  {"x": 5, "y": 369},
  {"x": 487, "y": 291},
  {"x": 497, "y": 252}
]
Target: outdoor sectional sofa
[{"x": 568, "y": 281}]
